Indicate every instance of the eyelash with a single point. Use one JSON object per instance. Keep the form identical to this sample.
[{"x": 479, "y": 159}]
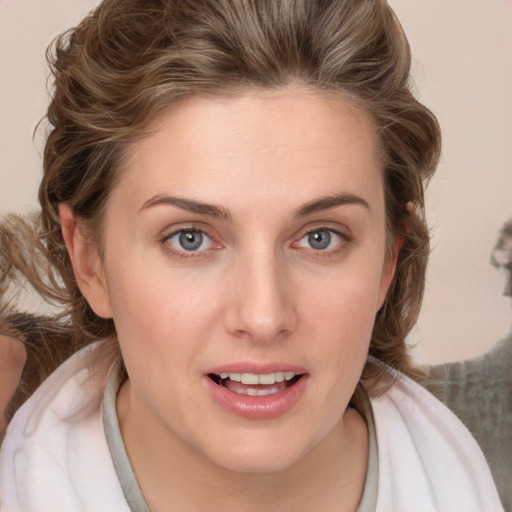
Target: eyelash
[
  {"x": 183, "y": 254},
  {"x": 343, "y": 244}
]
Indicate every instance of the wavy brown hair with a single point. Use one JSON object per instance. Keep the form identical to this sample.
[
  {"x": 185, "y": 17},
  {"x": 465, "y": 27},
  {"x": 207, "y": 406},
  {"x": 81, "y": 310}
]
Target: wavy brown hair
[{"x": 131, "y": 60}]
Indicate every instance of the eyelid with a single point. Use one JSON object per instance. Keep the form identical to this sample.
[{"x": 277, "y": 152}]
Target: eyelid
[
  {"x": 183, "y": 254},
  {"x": 177, "y": 227},
  {"x": 340, "y": 230},
  {"x": 343, "y": 234},
  {"x": 205, "y": 239}
]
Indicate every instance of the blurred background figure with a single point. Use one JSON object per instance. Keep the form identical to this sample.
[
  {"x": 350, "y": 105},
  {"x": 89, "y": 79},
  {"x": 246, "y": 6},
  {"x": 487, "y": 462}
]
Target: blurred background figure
[{"x": 479, "y": 390}]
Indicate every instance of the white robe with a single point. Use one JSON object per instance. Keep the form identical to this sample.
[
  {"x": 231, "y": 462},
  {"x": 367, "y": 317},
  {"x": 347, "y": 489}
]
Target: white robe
[{"x": 55, "y": 455}]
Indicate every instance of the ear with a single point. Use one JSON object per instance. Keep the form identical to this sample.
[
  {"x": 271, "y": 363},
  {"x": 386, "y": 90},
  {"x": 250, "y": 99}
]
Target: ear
[
  {"x": 388, "y": 270},
  {"x": 86, "y": 263}
]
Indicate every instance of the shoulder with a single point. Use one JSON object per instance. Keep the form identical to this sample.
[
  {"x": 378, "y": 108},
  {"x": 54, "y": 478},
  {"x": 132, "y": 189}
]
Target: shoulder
[
  {"x": 426, "y": 455},
  {"x": 56, "y": 442},
  {"x": 479, "y": 392},
  {"x": 477, "y": 389},
  {"x": 489, "y": 369}
]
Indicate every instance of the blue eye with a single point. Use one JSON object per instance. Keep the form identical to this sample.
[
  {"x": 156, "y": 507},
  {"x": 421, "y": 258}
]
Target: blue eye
[
  {"x": 321, "y": 239},
  {"x": 190, "y": 240}
]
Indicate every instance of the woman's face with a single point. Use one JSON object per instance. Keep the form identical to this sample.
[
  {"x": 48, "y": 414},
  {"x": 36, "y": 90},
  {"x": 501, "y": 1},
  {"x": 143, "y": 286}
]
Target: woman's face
[{"x": 244, "y": 245}]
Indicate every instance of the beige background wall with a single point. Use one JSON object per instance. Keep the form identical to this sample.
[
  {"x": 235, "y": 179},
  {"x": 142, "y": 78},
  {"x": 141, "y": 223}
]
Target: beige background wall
[{"x": 463, "y": 71}]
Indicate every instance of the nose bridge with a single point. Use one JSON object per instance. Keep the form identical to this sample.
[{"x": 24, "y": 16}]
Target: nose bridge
[{"x": 262, "y": 306}]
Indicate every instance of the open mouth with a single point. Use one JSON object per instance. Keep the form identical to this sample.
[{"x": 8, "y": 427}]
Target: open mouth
[{"x": 254, "y": 384}]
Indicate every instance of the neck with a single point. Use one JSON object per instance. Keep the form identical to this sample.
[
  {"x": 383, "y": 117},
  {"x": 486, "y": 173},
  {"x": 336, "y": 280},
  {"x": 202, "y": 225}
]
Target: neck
[{"x": 329, "y": 477}]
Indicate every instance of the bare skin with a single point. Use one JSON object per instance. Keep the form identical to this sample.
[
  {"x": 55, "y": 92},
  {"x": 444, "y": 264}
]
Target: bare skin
[
  {"x": 325, "y": 480},
  {"x": 280, "y": 196}
]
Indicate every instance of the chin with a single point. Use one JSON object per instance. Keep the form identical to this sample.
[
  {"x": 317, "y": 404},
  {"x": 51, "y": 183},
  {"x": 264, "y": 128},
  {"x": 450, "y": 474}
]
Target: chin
[
  {"x": 257, "y": 464},
  {"x": 258, "y": 455}
]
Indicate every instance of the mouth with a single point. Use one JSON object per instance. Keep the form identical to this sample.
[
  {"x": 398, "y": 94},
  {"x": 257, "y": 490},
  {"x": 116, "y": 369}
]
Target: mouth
[
  {"x": 256, "y": 384},
  {"x": 254, "y": 395}
]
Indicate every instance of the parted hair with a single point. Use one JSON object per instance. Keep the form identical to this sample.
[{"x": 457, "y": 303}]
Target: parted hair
[{"x": 130, "y": 61}]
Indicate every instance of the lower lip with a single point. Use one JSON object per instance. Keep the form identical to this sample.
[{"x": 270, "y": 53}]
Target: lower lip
[{"x": 257, "y": 407}]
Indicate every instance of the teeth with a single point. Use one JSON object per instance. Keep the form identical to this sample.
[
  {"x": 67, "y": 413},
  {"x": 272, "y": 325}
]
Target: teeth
[
  {"x": 257, "y": 392},
  {"x": 258, "y": 378},
  {"x": 252, "y": 378},
  {"x": 268, "y": 378}
]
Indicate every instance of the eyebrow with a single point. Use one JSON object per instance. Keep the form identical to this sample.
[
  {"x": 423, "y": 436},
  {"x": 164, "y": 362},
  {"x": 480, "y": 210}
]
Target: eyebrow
[
  {"x": 189, "y": 205},
  {"x": 324, "y": 203},
  {"x": 327, "y": 202}
]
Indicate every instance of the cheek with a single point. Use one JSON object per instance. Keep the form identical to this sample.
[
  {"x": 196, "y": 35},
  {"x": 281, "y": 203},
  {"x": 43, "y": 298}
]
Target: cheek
[
  {"x": 340, "y": 317},
  {"x": 159, "y": 305},
  {"x": 349, "y": 297}
]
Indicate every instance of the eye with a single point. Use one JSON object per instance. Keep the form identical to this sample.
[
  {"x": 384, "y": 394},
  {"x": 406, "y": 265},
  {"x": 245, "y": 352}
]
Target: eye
[
  {"x": 189, "y": 240},
  {"x": 321, "y": 239}
]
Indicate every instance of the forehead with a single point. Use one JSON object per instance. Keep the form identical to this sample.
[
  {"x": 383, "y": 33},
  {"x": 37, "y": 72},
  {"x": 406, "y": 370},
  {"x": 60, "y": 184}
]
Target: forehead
[{"x": 259, "y": 142}]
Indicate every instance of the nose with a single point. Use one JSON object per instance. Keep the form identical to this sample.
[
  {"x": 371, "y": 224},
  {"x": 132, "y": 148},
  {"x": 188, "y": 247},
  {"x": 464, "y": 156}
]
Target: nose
[{"x": 260, "y": 305}]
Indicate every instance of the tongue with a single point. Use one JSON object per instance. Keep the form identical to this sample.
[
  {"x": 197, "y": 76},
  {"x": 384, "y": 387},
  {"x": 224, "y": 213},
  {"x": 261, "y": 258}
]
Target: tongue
[{"x": 232, "y": 385}]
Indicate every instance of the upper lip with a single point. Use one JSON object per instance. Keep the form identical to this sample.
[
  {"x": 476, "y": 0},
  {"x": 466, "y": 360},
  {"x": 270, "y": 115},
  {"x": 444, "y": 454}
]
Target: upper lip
[{"x": 257, "y": 368}]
